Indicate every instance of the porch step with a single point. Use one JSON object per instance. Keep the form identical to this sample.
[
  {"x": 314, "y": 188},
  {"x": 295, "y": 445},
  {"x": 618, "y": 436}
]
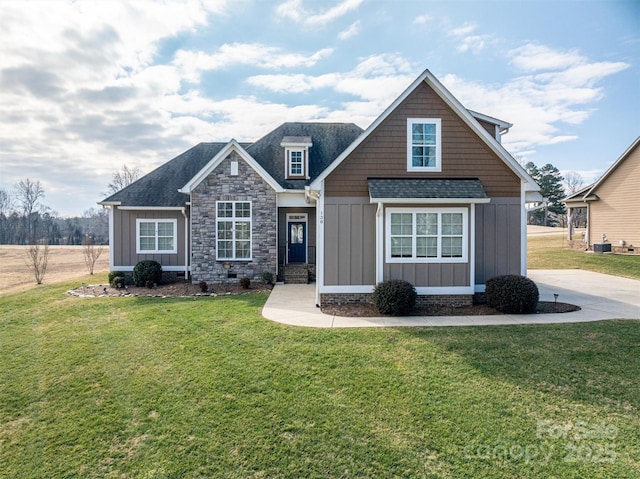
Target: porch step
[{"x": 296, "y": 274}]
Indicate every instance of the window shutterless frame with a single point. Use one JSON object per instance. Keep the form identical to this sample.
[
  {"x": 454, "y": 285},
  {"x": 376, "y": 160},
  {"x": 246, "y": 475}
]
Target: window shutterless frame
[
  {"x": 233, "y": 230},
  {"x": 424, "y": 144},
  {"x": 156, "y": 236},
  {"x": 427, "y": 235}
]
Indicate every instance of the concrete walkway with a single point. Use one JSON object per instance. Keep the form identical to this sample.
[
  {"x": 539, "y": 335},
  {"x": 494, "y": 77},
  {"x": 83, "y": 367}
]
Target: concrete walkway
[{"x": 600, "y": 296}]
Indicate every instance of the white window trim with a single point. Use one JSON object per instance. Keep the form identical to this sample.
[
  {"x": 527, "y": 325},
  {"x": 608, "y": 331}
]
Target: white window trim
[
  {"x": 438, "y": 123},
  {"x": 305, "y": 163},
  {"x": 439, "y": 211},
  {"x": 156, "y": 221},
  {"x": 234, "y": 219}
]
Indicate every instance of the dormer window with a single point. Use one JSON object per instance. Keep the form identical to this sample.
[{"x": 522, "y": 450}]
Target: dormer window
[
  {"x": 296, "y": 155},
  {"x": 296, "y": 163}
]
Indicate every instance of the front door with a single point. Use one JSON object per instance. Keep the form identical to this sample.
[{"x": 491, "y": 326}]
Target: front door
[{"x": 297, "y": 240}]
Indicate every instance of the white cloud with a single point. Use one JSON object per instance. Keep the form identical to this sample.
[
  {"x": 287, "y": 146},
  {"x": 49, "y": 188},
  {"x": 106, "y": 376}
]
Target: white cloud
[
  {"x": 294, "y": 10},
  {"x": 351, "y": 31},
  {"x": 423, "y": 19},
  {"x": 191, "y": 64},
  {"x": 468, "y": 42},
  {"x": 538, "y": 103},
  {"x": 378, "y": 78}
]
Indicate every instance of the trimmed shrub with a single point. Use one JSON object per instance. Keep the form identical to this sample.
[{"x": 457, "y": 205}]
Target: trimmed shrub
[
  {"x": 116, "y": 274},
  {"x": 394, "y": 297},
  {"x": 267, "y": 277},
  {"x": 512, "y": 293},
  {"x": 245, "y": 283},
  {"x": 203, "y": 286},
  {"x": 118, "y": 282},
  {"x": 147, "y": 271}
]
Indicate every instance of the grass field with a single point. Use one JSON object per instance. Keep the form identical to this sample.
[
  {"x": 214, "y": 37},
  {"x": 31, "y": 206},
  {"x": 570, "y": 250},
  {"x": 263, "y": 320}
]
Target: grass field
[
  {"x": 183, "y": 388},
  {"x": 549, "y": 251}
]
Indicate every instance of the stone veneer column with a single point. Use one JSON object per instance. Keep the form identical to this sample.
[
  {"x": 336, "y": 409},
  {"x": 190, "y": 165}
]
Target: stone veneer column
[{"x": 248, "y": 185}]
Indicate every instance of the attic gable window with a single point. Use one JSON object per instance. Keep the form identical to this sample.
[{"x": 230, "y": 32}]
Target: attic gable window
[
  {"x": 296, "y": 151},
  {"x": 424, "y": 144}
]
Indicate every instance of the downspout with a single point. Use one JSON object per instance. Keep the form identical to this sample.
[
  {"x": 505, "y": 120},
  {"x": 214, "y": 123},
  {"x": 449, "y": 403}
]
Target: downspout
[
  {"x": 380, "y": 243},
  {"x": 187, "y": 241}
]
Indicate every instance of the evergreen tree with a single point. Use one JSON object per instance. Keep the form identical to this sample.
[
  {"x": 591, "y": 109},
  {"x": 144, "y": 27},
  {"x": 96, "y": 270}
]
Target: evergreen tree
[{"x": 550, "y": 181}]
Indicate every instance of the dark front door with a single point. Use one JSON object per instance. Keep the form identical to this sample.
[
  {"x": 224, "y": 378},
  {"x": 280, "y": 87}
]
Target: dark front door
[{"x": 297, "y": 239}]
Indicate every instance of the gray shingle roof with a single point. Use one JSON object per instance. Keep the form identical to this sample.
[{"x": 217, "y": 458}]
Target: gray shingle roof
[
  {"x": 329, "y": 140},
  {"x": 426, "y": 188},
  {"x": 160, "y": 187}
]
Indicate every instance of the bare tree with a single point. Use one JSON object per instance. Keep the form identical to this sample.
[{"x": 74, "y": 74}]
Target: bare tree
[
  {"x": 5, "y": 202},
  {"x": 28, "y": 193},
  {"x": 573, "y": 182},
  {"x": 37, "y": 259},
  {"x": 91, "y": 253},
  {"x": 123, "y": 178}
]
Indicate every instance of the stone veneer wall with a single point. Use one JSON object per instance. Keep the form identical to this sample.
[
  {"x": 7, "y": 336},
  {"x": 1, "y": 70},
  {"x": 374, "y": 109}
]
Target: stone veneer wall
[
  {"x": 248, "y": 185},
  {"x": 454, "y": 300}
]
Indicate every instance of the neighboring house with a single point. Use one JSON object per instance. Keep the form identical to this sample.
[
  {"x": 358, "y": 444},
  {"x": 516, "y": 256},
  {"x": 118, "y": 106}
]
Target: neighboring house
[
  {"x": 612, "y": 203},
  {"x": 426, "y": 194}
]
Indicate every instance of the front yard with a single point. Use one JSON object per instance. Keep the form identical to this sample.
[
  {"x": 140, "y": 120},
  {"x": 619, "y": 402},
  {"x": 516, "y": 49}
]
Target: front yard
[{"x": 168, "y": 388}]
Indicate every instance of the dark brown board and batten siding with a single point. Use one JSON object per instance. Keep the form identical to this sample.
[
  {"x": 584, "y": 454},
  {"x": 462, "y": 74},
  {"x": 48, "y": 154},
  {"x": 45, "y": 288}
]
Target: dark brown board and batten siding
[{"x": 384, "y": 152}]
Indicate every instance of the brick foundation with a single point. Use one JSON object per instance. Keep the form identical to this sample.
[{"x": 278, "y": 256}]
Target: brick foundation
[{"x": 454, "y": 300}]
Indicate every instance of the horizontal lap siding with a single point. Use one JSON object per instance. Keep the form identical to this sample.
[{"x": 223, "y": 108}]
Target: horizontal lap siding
[
  {"x": 616, "y": 213},
  {"x": 384, "y": 152},
  {"x": 498, "y": 230},
  {"x": 349, "y": 249},
  {"x": 125, "y": 243}
]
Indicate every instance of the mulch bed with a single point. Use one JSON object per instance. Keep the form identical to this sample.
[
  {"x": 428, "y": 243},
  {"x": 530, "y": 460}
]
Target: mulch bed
[
  {"x": 367, "y": 310},
  {"x": 362, "y": 310},
  {"x": 178, "y": 289}
]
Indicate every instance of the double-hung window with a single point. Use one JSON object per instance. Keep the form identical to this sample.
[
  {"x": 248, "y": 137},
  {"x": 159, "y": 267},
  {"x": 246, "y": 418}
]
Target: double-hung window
[
  {"x": 423, "y": 235},
  {"x": 296, "y": 163},
  {"x": 423, "y": 144},
  {"x": 156, "y": 236},
  {"x": 233, "y": 226}
]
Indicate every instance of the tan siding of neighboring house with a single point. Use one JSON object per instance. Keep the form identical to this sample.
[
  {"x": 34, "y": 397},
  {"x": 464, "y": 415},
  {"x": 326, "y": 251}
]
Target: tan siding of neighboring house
[
  {"x": 384, "y": 152},
  {"x": 617, "y": 212},
  {"x": 124, "y": 248}
]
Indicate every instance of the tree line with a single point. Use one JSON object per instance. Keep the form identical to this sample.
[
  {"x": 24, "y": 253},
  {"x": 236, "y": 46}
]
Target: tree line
[{"x": 25, "y": 219}]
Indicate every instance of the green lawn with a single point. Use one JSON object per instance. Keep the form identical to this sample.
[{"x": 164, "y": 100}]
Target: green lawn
[
  {"x": 184, "y": 388},
  {"x": 550, "y": 252}
]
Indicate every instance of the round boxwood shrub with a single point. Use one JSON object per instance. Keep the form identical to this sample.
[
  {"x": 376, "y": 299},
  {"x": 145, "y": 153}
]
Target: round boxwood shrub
[
  {"x": 116, "y": 274},
  {"x": 147, "y": 271},
  {"x": 394, "y": 297},
  {"x": 512, "y": 293},
  {"x": 245, "y": 283}
]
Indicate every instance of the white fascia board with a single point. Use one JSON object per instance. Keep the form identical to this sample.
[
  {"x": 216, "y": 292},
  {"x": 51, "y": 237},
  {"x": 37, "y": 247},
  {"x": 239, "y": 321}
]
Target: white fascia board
[
  {"x": 532, "y": 196},
  {"x": 430, "y": 201},
  {"x": 152, "y": 208},
  {"x": 109, "y": 203},
  {"x": 233, "y": 145},
  {"x": 490, "y": 119}
]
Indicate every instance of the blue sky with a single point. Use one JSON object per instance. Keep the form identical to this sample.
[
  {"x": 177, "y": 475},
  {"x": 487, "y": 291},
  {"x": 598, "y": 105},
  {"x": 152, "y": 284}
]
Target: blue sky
[{"x": 89, "y": 86}]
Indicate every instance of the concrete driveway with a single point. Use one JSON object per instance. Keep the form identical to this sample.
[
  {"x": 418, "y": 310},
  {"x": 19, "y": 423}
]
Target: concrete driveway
[{"x": 599, "y": 295}]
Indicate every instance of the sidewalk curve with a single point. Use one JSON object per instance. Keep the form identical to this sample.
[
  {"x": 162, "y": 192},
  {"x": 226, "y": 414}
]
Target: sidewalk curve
[{"x": 599, "y": 295}]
